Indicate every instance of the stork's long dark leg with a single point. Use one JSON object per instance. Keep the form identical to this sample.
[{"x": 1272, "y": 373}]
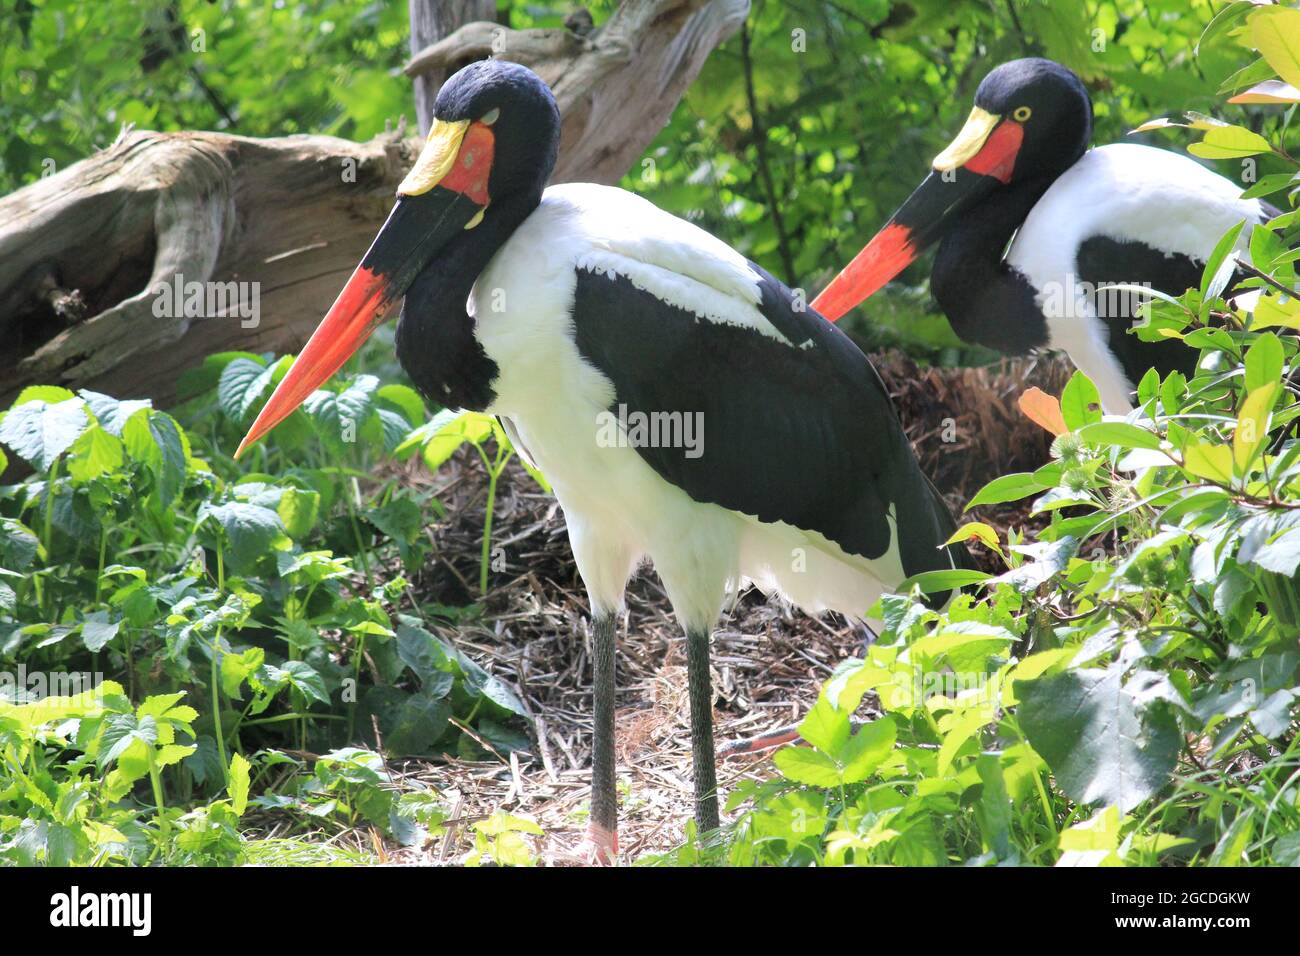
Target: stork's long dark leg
[
  {"x": 701, "y": 690},
  {"x": 603, "y": 826}
]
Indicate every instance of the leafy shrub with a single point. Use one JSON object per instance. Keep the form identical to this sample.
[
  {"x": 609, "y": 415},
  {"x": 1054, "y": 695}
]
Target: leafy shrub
[{"x": 247, "y": 602}]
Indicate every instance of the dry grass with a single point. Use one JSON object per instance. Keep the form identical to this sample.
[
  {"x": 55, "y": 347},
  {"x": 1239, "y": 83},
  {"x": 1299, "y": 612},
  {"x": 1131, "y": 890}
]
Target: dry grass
[{"x": 768, "y": 660}]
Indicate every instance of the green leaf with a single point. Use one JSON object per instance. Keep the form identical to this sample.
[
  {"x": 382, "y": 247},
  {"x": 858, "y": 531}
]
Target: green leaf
[
  {"x": 804, "y": 765},
  {"x": 1205, "y": 460},
  {"x": 341, "y": 415},
  {"x": 242, "y": 382},
  {"x": 1230, "y": 142},
  {"x": 97, "y": 452},
  {"x": 416, "y": 725},
  {"x": 1264, "y": 361},
  {"x": 1275, "y": 32},
  {"x": 238, "y": 784},
  {"x": 1218, "y": 269},
  {"x": 305, "y": 678},
  {"x": 249, "y": 530},
  {"x": 1007, "y": 488},
  {"x": 867, "y": 749},
  {"x": 154, "y": 438},
  {"x": 446, "y": 432},
  {"x": 1119, "y": 435},
  {"x": 1252, "y": 426},
  {"x": 40, "y": 431},
  {"x": 404, "y": 399},
  {"x": 1080, "y": 402},
  {"x": 111, "y": 413},
  {"x": 1281, "y": 555},
  {"x": 1101, "y": 743},
  {"x": 297, "y": 510},
  {"x": 97, "y": 630}
]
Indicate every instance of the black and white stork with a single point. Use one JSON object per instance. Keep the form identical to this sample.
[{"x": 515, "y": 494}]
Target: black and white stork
[
  {"x": 1081, "y": 220},
  {"x": 557, "y": 308}
]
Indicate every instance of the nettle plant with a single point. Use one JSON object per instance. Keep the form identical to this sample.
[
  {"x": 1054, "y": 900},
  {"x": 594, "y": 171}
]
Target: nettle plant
[{"x": 252, "y": 602}]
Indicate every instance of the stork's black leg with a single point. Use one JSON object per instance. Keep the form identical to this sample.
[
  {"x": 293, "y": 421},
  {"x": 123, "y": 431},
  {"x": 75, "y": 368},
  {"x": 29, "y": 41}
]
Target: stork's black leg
[
  {"x": 603, "y": 827},
  {"x": 706, "y": 781}
]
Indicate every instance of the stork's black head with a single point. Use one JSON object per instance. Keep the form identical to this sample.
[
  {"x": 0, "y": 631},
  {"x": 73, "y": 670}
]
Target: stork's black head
[
  {"x": 1048, "y": 103},
  {"x": 1031, "y": 122},
  {"x": 513, "y": 102},
  {"x": 490, "y": 151}
]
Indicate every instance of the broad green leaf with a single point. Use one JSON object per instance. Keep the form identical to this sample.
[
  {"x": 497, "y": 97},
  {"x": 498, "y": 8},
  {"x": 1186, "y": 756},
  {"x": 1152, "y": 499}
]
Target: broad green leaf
[
  {"x": 341, "y": 415},
  {"x": 1275, "y": 33},
  {"x": 305, "y": 678},
  {"x": 405, "y": 399},
  {"x": 1274, "y": 312},
  {"x": 97, "y": 452},
  {"x": 248, "y": 530},
  {"x": 1264, "y": 361},
  {"x": 1080, "y": 402},
  {"x": 1230, "y": 142},
  {"x": 1102, "y": 745},
  {"x": 1281, "y": 555},
  {"x": 39, "y": 431},
  {"x": 1205, "y": 460},
  {"x": 242, "y": 382},
  {"x": 805, "y": 765},
  {"x": 867, "y": 749},
  {"x": 97, "y": 630},
  {"x": 297, "y": 510},
  {"x": 111, "y": 413}
]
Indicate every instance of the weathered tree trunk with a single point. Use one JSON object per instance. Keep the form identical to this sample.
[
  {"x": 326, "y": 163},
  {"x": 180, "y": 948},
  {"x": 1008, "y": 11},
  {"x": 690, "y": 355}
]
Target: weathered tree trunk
[
  {"x": 616, "y": 86},
  {"x": 85, "y": 253},
  {"x": 431, "y": 21}
]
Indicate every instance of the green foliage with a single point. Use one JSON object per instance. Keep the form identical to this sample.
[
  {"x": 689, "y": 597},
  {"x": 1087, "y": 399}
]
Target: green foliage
[
  {"x": 72, "y": 74},
  {"x": 241, "y": 608}
]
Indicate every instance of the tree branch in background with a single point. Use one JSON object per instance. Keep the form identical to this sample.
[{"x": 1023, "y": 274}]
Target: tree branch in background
[
  {"x": 617, "y": 85},
  {"x": 84, "y": 252}
]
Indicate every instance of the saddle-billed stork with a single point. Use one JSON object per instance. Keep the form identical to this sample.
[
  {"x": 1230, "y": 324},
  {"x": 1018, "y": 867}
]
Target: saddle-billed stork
[
  {"x": 559, "y": 308},
  {"x": 1081, "y": 220}
]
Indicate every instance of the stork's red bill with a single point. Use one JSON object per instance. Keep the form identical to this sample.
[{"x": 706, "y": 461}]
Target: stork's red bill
[{"x": 445, "y": 193}]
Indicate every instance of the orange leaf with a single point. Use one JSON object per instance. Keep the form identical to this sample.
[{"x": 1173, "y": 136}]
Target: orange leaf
[{"x": 1043, "y": 409}]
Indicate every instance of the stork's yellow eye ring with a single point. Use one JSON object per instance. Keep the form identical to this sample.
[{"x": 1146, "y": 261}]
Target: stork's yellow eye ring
[{"x": 1022, "y": 113}]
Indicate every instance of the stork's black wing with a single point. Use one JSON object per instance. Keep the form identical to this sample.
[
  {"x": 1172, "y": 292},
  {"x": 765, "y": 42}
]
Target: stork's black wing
[
  {"x": 804, "y": 434},
  {"x": 1103, "y": 262}
]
